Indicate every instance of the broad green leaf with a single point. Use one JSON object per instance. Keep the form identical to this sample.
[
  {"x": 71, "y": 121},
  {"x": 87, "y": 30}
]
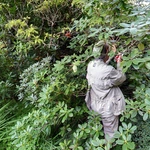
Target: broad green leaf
[
  {"x": 126, "y": 65},
  {"x": 64, "y": 119},
  {"x": 140, "y": 113},
  {"x": 120, "y": 129},
  {"x": 128, "y": 41},
  {"x": 147, "y": 65},
  {"x": 81, "y": 134},
  {"x": 133, "y": 128},
  {"x": 136, "y": 61},
  {"x": 94, "y": 143},
  {"x": 123, "y": 31},
  {"x": 58, "y": 66},
  {"x": 136, "y": 66},
  {"x": 124, "y": 137},
  {"x": 117, "y": 135},
  {"x": 148, "y": 91},
  {"x": 127, "y": 115},
  {"x": 124, "y": 147},
  {"x": 134, "y": 53},
  {"x": 146, "y": 58},
  {"x": 145, "y": 117},
  {"x": 125, "y": 25},
  {"x": 129, "y": 125},
  {"x": 74, "y": 68},
  {"x": 124, "y": 125},
  {"x": 129, "y": 137},
  {"x": 94, "y": 32},
  {"x": 100, "y": 37},
  {"x": 148, "y": 108},
  {"x": 122, "y": 118},
  {"x": 120, "y": 142},
  {"x": 71, "y": 115},
  {"x": 108, "y": 146},
  {"x": 134, "y": 113},
  {"x": 99, "y": 148},
  {"x": 141, "y": 46},
  {"x": 87, "y": 130},
  {"x": 133, "y": 31},
  {"x": 80, "y": 148},
  {"x": 131, "y": 145},
  {"x": 147, "y": 101}
]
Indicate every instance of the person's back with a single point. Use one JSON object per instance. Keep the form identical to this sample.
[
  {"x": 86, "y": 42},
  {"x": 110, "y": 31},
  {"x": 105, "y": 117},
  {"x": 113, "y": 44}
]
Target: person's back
[
  {"x": 106, "y": 97},
  {"x": 105, "y": 93},
  {"x": 99, "y": 71}
]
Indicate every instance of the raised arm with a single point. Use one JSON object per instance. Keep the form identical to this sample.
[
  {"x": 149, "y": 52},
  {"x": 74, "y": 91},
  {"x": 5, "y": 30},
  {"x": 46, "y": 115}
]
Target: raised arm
[{"x": 117, "y": 77}]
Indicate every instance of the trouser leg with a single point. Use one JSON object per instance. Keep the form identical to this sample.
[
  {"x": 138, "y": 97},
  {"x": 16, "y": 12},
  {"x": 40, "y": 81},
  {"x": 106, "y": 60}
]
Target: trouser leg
[{"x": 110, "y": 125}]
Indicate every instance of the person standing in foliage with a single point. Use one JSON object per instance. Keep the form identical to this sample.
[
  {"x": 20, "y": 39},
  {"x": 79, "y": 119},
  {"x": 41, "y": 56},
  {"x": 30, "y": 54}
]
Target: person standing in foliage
[{"x": 104, "y": 95}]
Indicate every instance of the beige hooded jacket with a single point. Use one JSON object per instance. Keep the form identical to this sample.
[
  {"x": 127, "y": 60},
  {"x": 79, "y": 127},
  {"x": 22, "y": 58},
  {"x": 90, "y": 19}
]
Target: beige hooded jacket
[{"x": 106, "y": 97}]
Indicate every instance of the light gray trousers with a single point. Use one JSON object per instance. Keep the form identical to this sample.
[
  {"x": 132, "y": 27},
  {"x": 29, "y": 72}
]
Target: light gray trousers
[{"x": 110, "y": 125}]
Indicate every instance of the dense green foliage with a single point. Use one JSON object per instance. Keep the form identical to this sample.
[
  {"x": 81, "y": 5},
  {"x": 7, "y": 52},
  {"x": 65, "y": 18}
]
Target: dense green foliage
[
  {"x": 45, "y": 46},
  {"x": 142, "y": 136}
]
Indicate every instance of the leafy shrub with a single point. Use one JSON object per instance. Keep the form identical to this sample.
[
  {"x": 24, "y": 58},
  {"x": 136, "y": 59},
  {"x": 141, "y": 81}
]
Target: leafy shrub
[
  {"x": 51, "y": 106},
  {"x": 51, "y": 112},
  {"x": 85, "y": 134},
  {"x": 141, "y": 136}
]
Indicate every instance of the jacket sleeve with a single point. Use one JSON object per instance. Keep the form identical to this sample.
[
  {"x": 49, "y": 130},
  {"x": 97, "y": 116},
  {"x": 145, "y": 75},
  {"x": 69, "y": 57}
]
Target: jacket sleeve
[{"x": 117, "y": 77}]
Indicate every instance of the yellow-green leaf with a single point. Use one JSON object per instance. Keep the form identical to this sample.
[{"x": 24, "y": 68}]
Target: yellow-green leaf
[
  {"x": 74, "y": 68},
  {"x": 141, "y": 46}
]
